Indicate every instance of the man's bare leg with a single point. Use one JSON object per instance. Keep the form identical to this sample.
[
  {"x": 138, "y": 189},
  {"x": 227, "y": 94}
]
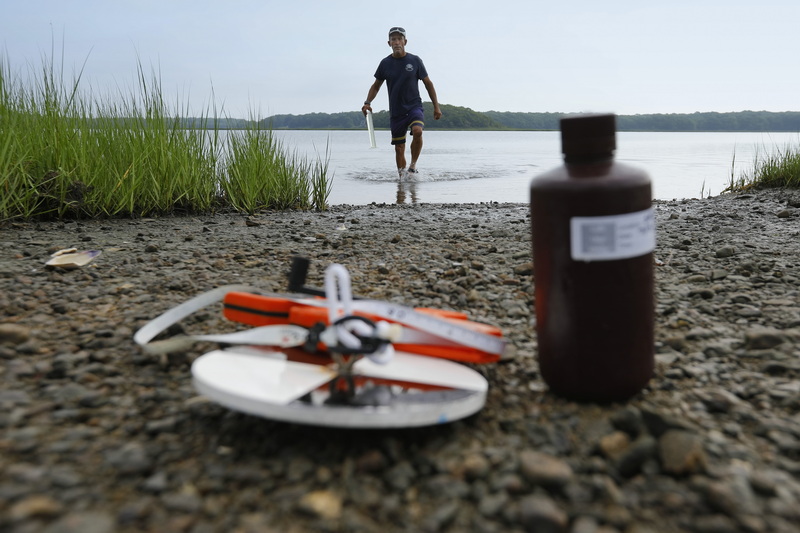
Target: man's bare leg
[
  {"x": 416, "y": 146},
  {"x": 400, "y": 158}
]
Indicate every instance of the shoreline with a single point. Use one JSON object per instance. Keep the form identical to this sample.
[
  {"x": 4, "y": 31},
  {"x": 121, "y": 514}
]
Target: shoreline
[{"x": 93, "y": 430}]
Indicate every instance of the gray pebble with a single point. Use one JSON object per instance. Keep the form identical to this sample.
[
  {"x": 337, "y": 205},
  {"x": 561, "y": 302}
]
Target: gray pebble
[
  {"x": 631, "y": 460},
  {"x": 544, "y": 469},
  {"x": 130, "y": 458},
  {"x": 542, "y": 514},
  {"x": 763, "y": 338},
  {"x": 725, "y": 251},
  {"x": 83, "y": 522}
]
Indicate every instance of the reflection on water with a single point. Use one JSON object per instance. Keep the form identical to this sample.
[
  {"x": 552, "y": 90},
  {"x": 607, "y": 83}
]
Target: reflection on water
[
  {"x": 473, "y": 167},
  {"x": 406, "y": 187}
]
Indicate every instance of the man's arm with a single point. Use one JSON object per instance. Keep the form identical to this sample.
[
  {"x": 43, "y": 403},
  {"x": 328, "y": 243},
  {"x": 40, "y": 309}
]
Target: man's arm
[
  {"x": 437, "y": 112},
  {"x": 371, "y": 94}
]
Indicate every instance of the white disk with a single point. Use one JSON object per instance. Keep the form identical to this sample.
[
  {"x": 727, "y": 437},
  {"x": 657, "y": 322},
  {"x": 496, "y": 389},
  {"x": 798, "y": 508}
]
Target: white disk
[{"x": 409, "y": 391}]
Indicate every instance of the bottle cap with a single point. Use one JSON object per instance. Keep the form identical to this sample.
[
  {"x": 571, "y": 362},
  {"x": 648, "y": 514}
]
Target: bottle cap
[{"x": 588, "y": 135}]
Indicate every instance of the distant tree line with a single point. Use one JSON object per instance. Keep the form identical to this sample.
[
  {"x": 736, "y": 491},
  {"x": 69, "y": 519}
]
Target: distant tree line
[
  {"x": 740, "y": 121},
  {"x": 454, "y": 118},
  {"x": 463, "y": 118},
  {"x": 737, "y": 121},
  {"x": 216, "y": 123}
]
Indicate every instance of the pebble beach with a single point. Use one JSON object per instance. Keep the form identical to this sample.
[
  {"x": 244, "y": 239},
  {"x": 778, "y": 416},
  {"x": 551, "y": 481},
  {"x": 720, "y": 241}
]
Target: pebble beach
[{"x": 98, "y": 436}]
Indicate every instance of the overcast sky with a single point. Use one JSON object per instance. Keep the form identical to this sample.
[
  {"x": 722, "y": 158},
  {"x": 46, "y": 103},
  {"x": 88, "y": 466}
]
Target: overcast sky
[{"x": 304, "y": 56}]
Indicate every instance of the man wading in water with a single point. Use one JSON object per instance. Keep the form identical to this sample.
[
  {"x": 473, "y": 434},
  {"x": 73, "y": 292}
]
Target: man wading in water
[{"x": 402, "y": 71}]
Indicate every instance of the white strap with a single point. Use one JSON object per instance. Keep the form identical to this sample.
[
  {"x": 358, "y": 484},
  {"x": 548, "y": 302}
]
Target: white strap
[
  {"x": 283, "y": 335},
  {"x": 280, "y": 335},
  {"x": 428, "y": 328},
  {"x": 149, "y": 331}
]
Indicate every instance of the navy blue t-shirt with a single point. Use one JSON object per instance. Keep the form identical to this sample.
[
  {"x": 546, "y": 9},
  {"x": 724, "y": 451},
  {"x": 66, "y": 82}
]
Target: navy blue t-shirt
[{"x": 402, "y": 76}]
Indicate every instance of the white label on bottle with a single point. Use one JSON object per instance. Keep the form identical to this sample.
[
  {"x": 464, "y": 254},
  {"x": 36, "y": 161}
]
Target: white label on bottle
[{"x": 613, "y": 237}]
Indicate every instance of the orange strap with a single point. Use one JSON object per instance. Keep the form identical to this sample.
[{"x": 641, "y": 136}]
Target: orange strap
[{"x": 257, "y": 310}]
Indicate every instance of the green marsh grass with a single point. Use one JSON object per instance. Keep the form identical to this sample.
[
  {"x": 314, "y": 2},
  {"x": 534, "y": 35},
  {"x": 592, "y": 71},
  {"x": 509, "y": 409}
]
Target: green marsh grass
[
  {"x": 64, "y": 153},
  {"x": 280, "y": 181},
  {"x": 771, "y": 169}
]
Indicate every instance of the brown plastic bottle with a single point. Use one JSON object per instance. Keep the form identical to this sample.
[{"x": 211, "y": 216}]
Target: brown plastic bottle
[{"x": 593, "y": 236}]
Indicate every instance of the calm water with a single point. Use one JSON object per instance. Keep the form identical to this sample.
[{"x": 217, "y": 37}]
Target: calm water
[{"x": 469, "y": 166}]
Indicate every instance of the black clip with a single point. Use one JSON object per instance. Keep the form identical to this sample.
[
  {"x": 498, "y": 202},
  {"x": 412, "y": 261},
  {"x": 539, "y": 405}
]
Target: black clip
[{"x": 313, "y": 338}]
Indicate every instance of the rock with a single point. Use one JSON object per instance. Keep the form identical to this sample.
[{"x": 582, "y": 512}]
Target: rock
[
  {"x": 401, "y": 475},
  {"x": 629, "y": 420},
  {"x": 322, "y": 504},
  {"x": 130, "y": 458},
  {"x": 658, "y": 423},
  {"x": 725, "y": 251},
  {"x": 134, "y": 511},
  {"x": 524, "y": 269},
  {"x": 732, "y": 497},
  {"x": 38, "y": 506},
  {"x": 681, "y": 453},
  {"x": 763, "y": 338},
  {"x": 704, "y": 293},
  {"x": 544, "y": 469},
  {"x": 371, "y": 461},
  {"x": 765, "y": 483},
  {"x": 585, "y": 524},
  {"x": 493, "y": 504},
  {"x": 631, "y": 460},
  {"x": 718, "y": 274},
  {"x": 156, "y": 483},
  {"x": 718, "y": 400},
  {"x": 542, "y": 515},
  {"x": 83, "y": 522},
  {"x": 696, "y": 278},
  {"x": 476, "y": 466},
  {"x": 716, "y": 523},
  {"x": 65, "y": 476},
  {"x": 441, "y": 516},
  {"x": 14, "y": 333},
  {"x": 185, "y": 501},
  {"x": 165, "y": 425},
  {"x": 614, "y": 444},
  {"x": 11, "y": 398}
]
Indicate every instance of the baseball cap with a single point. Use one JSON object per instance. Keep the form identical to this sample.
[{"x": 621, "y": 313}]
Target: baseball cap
[{"x": 398, "y": 29}]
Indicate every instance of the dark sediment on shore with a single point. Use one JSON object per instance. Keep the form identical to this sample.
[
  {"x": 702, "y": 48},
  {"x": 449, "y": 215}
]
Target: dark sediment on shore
[{"x": 95, "y": 435}]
